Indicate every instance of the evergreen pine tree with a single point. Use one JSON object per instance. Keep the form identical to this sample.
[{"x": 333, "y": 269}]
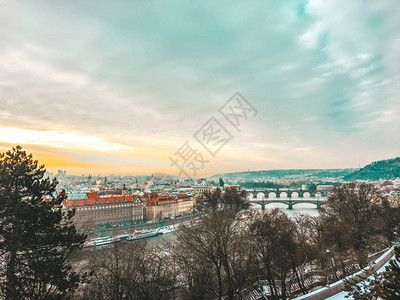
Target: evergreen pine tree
[{"x": 36, "y": 235}]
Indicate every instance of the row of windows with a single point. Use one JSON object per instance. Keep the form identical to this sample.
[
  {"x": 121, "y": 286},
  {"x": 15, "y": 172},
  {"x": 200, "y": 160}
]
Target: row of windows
[
  {"x": 85, "y": 214},
  {"x": 107, "y": 202},
  {"x": 102, "y": 207},
  {"x": 103, "y": 211},
  {"x": 110, "y": 215}
]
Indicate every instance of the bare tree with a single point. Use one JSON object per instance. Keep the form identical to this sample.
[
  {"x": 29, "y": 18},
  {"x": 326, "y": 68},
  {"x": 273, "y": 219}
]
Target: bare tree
[
  {"x": 279, "y": 251},
  {"x": 389, "y": 218},
  {"x": 132, "y": 271},
  {"x": 350, "y": 216},
  {"x": 215, "y": 255}
]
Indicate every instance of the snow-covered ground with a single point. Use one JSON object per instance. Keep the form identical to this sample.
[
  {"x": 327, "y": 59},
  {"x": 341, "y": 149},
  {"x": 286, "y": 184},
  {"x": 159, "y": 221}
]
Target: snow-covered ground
[{"x": 342, "y": 295}]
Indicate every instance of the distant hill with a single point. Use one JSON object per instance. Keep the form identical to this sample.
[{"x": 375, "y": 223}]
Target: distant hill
[
  {"x": 379, "y": 170},
  {"x": 294, "y": 174}
]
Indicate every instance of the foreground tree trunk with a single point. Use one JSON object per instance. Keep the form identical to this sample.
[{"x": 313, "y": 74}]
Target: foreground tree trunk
[{"x": 11, "y": 288}]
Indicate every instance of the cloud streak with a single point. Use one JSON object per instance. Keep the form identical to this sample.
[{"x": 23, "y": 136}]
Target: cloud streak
[
  {"x": 65, "y": 140},
  {"x": 324, "y": 76}
]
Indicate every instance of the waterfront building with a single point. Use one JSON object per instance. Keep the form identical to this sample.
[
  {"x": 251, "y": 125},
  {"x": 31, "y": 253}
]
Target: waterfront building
[
  {"x": 167, "y": 206},
  {"x": 148, "y": 196},
  {"x": 161, "y": 207},
  {"x": 185, "y": 203},
  {"x": 93, "y": 210}
]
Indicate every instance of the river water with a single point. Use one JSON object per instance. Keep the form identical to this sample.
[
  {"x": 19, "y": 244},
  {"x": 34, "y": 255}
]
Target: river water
[
  {"x": 302, "y": 208},
  {"x": 298, "y": 209}
]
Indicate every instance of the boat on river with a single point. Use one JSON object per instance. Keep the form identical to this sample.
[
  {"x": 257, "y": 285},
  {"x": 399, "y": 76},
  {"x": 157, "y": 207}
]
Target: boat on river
[
  {"x": 98, "y": 241},
  {"x": 167, "y": 229},
  {"x": 103, "y": 240},
  {"x": 141, "y": 234}
]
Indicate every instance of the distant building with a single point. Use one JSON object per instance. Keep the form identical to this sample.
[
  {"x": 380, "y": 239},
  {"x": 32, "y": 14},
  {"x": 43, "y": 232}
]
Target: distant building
[
  {"x": 61, "y": 173},
  {"x": 197, "y": 189},
  {"x": 167, "y": 206},
  {"x": 325, "y": 188},
  {"x": 148, "y": 196},
  {"x": 94, "y": 210},
  {"x": 185, "y": 203},
  {"x": 161, "y": 207}
]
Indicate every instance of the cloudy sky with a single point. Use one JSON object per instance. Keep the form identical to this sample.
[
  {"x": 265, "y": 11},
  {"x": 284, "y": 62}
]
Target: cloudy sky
[{"x": 119, "y": 86}]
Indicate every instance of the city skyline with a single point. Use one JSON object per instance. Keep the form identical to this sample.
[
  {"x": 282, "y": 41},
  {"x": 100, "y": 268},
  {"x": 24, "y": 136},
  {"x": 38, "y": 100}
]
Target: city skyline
[{"x": 118, "y": 87}]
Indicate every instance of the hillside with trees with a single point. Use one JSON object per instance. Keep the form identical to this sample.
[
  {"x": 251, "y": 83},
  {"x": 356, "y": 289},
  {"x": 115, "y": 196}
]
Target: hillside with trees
[
  {"x": 379, "y": 170},
  {"x": 291, "y": 174}
]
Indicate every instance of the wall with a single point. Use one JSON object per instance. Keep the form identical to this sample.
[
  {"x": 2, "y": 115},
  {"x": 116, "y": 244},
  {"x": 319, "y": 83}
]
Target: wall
[{"x": 339, "y": 286}]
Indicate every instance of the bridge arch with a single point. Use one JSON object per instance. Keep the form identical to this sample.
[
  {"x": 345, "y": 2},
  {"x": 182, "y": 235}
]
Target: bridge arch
[
  {"x": 276, "y": 201},
  {"x": 250, "y": 196},
  {"x": 260, "y": 195},
  {"x": 295, "y": 195},
  {"x": 317, "y": 203}
]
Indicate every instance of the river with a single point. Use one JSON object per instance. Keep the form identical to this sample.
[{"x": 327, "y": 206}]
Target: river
[{"x": 302, "y": 208}]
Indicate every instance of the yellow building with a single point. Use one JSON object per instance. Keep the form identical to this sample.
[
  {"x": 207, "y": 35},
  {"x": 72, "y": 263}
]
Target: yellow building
[{"x": 162, "y": 207}]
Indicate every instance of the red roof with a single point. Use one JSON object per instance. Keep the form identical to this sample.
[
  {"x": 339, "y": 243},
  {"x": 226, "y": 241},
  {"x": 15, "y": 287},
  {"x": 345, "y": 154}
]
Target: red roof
[
  {"x": 151, "y": 195},
  {"x": 92, "y": 195},
  {"x": 161, "y": 200},
  {"x": 93, "y": 199}
]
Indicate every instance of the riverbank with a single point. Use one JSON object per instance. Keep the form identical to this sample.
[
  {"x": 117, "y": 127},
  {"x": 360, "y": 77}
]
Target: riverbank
[{"x": 98, "y": 232}]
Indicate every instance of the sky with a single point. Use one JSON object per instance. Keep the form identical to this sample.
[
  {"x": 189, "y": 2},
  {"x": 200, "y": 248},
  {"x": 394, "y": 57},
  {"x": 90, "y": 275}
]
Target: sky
[{"x": 120, "y": 87}]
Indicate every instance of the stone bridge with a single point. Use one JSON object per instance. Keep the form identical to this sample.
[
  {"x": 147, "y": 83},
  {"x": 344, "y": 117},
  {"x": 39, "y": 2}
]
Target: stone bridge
[
  {"x": 288, "y": 197},
  {"x": 289, "y": 202},
  {"x": 283, "y": 193}
]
